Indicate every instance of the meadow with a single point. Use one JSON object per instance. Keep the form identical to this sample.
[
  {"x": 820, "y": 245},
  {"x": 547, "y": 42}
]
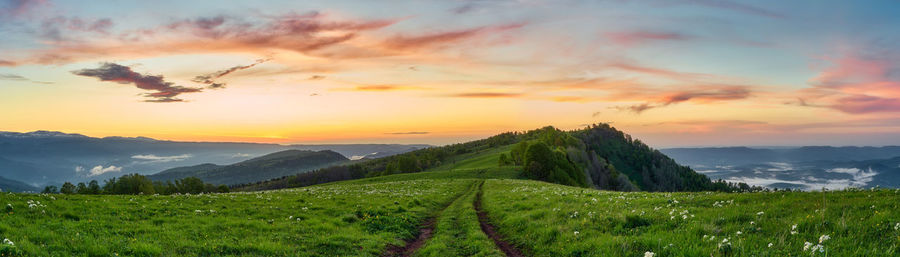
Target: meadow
[
  {"x": 550, "y": 220},
  {"x": 331, "y": 220},
  {"x": 376, "y": 216}
]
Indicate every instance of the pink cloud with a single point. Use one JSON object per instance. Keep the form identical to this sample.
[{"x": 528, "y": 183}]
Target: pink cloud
[
  {"x": 303, "y": 33},
  {"x": 18, "y": 8},
  {"x": 420, "y": 41},
  {"x": 856, "y": 84},
  {"x": 677, "y": 75}
]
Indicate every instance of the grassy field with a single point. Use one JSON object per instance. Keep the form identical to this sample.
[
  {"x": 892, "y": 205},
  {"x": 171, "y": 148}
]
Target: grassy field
[
  {"x": 479, "y": 160},
  {"x": 551, "y": 220},
  {"x": 363, "y": 217},
  {"x": 332, "y": 220}
]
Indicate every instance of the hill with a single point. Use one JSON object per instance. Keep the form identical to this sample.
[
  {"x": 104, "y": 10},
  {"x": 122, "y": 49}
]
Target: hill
[
  {"x": 274, "y": 165},
  {"x": 9, "y": 185},
  {"x": 598, "y": 156},
  {"x": 50, "y": 158}
]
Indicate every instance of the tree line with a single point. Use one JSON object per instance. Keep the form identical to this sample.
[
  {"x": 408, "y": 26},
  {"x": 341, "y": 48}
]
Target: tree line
[{"x": 134, "y": 184}]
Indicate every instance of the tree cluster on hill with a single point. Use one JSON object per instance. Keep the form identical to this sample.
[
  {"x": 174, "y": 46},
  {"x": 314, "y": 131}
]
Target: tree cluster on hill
[{"x": 134, "y": 184}]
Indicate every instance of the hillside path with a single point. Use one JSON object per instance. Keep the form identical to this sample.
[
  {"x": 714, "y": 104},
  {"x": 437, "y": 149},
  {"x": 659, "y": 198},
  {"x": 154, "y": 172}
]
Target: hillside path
[
  {"x": 507, "y": 248},
  {"x": 426, "y": 231}
]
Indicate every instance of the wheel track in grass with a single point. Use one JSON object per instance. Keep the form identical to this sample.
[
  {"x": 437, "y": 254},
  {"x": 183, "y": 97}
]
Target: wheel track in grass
[
  {"x": 426, "y": 231},
  {"x": 507, "y": 248}
]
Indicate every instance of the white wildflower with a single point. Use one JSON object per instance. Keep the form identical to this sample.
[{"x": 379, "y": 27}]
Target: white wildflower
[
  {"x": 738, "y": 233},
  {"x": 770, "y": 245},
  {"x": 806, "y": 246},
  {"x": 824, "y": 238},
  {"x": 760, "y": 213},
  {"x": 649, "y": 254},
  {"x": 818, "y": 247},
  {"x": 576, "y": 233},
  {"x": 6, "y": 241}
]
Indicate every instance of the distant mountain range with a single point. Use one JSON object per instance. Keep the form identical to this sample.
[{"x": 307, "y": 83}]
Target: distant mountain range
[
  {"x": 50, "y": 158},
  {"x": 810, "y": 167},
  {"x": 8, "y": 185},
  {"x": 275, "y": 165}
]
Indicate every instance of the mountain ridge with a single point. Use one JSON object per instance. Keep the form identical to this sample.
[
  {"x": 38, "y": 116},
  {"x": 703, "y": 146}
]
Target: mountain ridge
[{"x": 273, "y": 165}]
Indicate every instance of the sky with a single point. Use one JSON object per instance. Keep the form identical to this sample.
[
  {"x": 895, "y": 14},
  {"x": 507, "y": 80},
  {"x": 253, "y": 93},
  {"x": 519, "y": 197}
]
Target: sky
[{"x": 672, "y": 73}]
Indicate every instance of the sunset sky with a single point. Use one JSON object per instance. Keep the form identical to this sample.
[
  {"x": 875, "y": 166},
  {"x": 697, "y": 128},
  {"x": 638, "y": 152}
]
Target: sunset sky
[{"x": 672, "y": 73}]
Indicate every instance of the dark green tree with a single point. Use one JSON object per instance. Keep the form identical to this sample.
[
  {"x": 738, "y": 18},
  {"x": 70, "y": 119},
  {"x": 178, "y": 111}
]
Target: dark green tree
[
  {"x": 50, "y": 190},
  {"x": 93, "y": 187},
  {"x": 504, "y": 160},
  {"x": 518, "y": 153},
  {"x": 67, "y": 188},
  {"x": 81, "y": 189}
]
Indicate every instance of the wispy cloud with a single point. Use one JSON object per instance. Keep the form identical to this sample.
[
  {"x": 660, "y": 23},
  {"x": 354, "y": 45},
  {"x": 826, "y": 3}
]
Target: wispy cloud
[
  {"x": 210, "y": 79},
  {"x": 697, "y": 94},
  {"x": 165, "y": 91},
  {"x": 19, "y": 8},
  {"x": 150, "y": 158},
  {"x": 12, "y": 77},
  {"x": 403, "y": 42},
  {"x": 677, "y": 75},
  {"x": 55, "y": 28},
  {"x": 738, "y": 7},
  {"x": 487, "y": 95},
  {"x": 632, "y": 38},
  {"x": 15, "y": 77},
  {"x": 302, "y": 33}
]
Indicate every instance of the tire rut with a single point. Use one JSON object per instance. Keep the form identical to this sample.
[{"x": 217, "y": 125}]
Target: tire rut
[
  {"x": 426, "y": 231},
  {"x": 491, "y": 231}
]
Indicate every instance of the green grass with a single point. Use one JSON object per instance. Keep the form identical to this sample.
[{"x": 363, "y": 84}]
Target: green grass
[
  {"x": 480, "y": 160},
  {"x": 362, "y": 217},
  {"x": 458, "y": 232},
  {"x": 332, "y": 220},
  {"x": 552, "y": 220}
]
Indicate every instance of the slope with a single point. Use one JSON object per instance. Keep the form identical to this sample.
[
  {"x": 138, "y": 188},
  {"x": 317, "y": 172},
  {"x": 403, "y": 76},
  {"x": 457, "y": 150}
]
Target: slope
[{"x": 274, "y": 165}]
